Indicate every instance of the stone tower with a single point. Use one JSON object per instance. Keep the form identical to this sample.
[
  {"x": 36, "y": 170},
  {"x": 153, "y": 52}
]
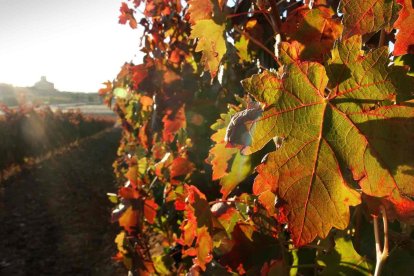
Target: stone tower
[{"x": 43, "y": 84}]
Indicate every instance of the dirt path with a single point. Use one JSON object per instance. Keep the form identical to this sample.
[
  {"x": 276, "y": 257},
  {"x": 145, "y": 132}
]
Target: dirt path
[{"x": 54, "y": 218}]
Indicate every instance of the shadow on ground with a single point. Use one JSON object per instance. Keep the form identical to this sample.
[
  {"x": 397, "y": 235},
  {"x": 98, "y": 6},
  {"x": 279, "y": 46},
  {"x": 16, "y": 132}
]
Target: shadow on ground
[{"x": 54, "y": 218}]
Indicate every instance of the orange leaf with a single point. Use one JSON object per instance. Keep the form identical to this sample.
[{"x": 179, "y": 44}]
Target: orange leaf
[
  {"x": 143, "y": 137},
  {"x": 180, "y": 167},
  {"x": 199, "y": 9},
  {"x": 127, "y": 14},
  {"x": 267, "y": 199},
  {"x": 175, "y": 56},
  {"x": 129, "y": 219},
  {"x": 146, "y": 102},
  {"x": 107, "y": 89},
  {"x": 405, "y": 37},
  {"x": 315, "y": 30},
  {"x": 128, "y": 193},
  {"x": 132, "y": 174}
]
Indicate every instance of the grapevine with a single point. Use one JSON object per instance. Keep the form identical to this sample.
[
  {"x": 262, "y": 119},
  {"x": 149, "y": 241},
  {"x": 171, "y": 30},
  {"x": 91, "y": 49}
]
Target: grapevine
[{"x": 266, "y": 138}]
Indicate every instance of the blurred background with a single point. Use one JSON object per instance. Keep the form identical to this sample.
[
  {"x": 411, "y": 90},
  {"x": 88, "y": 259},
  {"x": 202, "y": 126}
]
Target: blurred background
[{"x": 57, "y": 138}]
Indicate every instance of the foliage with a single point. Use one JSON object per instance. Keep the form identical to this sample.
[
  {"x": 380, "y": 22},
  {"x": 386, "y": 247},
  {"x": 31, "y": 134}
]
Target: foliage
[
  {"x": 28, "y": 132},
  {"x": 311, "y": 136}
]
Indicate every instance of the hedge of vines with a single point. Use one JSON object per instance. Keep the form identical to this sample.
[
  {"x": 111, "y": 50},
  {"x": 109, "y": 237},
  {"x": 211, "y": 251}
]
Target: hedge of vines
[
  {"x": 266, "y": 138},
  {"x": 28, "y": 132}
]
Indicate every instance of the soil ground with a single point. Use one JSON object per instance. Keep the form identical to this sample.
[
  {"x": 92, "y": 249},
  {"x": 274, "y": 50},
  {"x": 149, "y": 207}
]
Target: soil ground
[{"x": 54, "y": 217}]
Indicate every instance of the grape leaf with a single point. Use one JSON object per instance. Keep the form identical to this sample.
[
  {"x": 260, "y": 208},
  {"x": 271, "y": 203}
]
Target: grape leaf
[
  {"x": 407, "y": 61},
  {"x": 129, "y": 219},
  {"x": 150, "y": 210},
  {"x": 119, "y": 241},
  {"x": 180, "y": 167},
  {"x": 315, "y": 30},
  {"x": 228, "y": 164},
  {"x": 199, "y": 10},
  {"x": 344, "y": 260},
  {"x": 366, "y": 17},
  {"x": 204, "y": 246},
  {"x": 127, "y": 14},
  {"x": 139, "y": 73},
  {"x": 242, "y": 46},
  {"x": 197, "y": 225},
  {"x": 211, "y": 43},
  {"x": 405, "y": 36},
  {"x": 332, "y": 120},
  {"x": 173, "y": 122}
]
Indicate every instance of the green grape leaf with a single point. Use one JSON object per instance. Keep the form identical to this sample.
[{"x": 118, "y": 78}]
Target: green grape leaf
[
  {"x": 334, "y": 121},
  {"x": 344, "y": 260},
  {"x": 367, "y": 17},
  {"x": 242, "y": 47},
  {"x": 228, "y": 164},
  {"x": 211, "y": 43},
  {"x": 406, "y": 60}
]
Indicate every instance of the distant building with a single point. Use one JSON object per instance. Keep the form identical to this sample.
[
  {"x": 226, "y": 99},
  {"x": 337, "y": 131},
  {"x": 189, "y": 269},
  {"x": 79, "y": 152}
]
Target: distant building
[{"x": 43, "y": 84}]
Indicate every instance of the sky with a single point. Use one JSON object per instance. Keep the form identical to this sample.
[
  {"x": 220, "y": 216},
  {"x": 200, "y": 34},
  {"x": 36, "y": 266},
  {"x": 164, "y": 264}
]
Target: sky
[{"x": 76, "y": 44}]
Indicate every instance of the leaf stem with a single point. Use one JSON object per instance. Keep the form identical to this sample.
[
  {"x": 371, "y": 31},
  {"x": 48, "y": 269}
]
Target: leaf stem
[
  {"x": 246, "y": 13},
  {"x": 258, "y": 43},
  {"x": 226, "y": 201},
  {"x": 381, "y": 254}
]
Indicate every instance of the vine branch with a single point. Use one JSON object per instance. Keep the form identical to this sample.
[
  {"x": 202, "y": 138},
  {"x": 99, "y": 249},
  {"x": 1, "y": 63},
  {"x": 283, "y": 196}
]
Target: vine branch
[
  {"x": 276, "y": 15},
  {"x": 381, "y": 254}
]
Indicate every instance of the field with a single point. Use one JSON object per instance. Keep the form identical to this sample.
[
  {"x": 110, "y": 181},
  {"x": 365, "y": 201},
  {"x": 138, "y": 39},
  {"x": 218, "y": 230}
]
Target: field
[
  {"x": 55, "y": 171},
  {"x": 29, "y": 133},
  {"x": 55, "y": 214}
]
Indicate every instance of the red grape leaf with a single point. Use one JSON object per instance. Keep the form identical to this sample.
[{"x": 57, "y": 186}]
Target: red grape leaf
[
  {"x": 139, "y": 73},
  {"x": 128, "y": 193},
  {"x": 173, "y": 122},
  {"x": 405, "y": 37},
  {"x": 197, "y": 225},
  {"x": 127, "y": 14},
  {"x": 366, "y": 17},
  {"x": 180, "y": 167},
  {"x": 150, "y": 210},
  {"x": 210, "y": 42},
  {"x": 107, "y": 89},
  {"x": 401, "y": 209},
  {"x": 331, "y": 120},
  {"x": 199, "y": 9},
  {"x": 314, "y": 29}
]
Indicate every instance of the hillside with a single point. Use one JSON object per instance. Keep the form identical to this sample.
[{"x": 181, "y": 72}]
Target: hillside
[{"x": 11, "y": 95}]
